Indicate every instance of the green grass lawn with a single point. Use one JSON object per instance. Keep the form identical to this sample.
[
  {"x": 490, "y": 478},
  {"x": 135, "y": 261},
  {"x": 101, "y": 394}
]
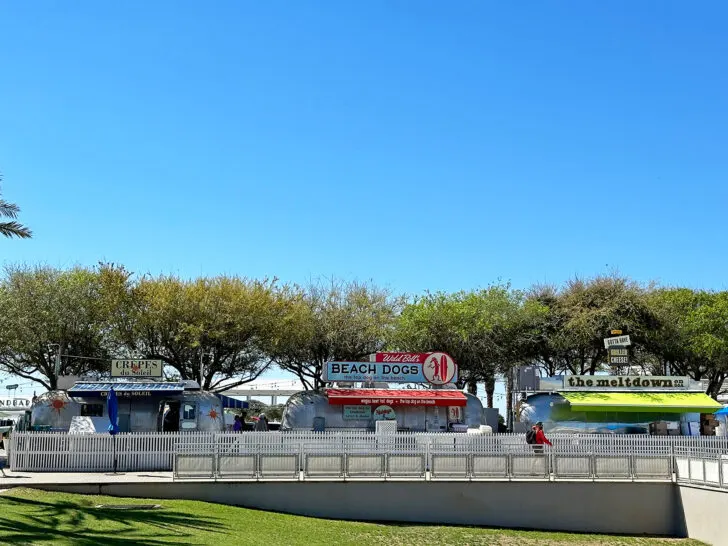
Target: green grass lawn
[{"x": 29, "y": 516}]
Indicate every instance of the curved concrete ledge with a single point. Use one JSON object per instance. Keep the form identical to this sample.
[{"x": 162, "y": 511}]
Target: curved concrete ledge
[{"x": 601, "y": 507}]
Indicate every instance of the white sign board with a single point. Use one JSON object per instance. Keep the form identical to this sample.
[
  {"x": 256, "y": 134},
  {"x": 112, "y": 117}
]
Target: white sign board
[
  {"x": 15, "y": 404},
  {"x": 625, "y": 383},
  {"x": 136, "y": 368},
  {"x": 619, "y": 341}
]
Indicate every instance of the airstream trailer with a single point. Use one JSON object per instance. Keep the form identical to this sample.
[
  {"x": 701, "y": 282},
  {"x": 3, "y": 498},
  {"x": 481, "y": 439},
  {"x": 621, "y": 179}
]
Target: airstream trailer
[
  {"x": 143, "y": 407},
  {"x": 321, "y": 410},
  {"x": 605, "y": 404}
]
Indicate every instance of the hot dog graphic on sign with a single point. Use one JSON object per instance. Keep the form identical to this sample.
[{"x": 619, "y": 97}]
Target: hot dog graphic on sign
[{"x": 439, "y": 368}]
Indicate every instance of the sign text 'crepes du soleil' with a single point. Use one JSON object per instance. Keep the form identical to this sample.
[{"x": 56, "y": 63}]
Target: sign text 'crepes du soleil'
[{"x": 136, "y": 368}]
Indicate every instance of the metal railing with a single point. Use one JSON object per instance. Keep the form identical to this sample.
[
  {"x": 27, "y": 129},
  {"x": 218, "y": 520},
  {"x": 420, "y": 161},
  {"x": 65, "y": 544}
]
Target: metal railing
[{"x": 347, "y": 454}]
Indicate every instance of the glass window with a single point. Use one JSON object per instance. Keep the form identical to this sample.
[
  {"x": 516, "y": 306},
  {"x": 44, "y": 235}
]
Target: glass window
[
  {"x": 188, "y": 412},
  {"x": 92, "y": 410}
]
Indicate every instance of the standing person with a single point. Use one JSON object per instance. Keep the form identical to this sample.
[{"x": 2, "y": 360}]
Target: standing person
[
  {"x": 262, "y": 424},
  {"x": 541, "y": 437},
  {"x": 238, "y": 424}
]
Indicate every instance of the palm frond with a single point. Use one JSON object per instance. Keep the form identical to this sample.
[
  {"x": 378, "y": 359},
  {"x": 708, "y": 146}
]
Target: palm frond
[
  {"x": 15, "y": 229},
  {"x": 9, "y": 210}
]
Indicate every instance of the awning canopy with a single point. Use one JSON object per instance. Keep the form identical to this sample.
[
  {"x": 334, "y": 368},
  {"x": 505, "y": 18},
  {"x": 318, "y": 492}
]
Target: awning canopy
[
  {"x": 125, "y": 389},
  {"x": 391, "y": 397},
  {"x": 232, "y": 403},
  {"x": 658, "y": 402}
]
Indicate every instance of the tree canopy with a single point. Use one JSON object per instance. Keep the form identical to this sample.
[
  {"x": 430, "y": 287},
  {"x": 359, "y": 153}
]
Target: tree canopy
[{"x": 224, "y": 331}]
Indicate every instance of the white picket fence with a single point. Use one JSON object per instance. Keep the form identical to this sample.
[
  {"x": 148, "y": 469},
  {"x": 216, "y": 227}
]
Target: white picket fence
[{"x": 352, "y": 454}]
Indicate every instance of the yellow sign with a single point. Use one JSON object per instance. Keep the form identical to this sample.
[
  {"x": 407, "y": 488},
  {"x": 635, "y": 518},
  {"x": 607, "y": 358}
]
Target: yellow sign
[{"x": 616, "y": 332}]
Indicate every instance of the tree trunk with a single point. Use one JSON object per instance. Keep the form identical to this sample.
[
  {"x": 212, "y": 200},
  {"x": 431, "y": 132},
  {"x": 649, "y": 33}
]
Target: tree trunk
[
  {"x": 489, "y": 390},
  {"x": 509, "y": 400},
  {"x": 473, "y": 387}
]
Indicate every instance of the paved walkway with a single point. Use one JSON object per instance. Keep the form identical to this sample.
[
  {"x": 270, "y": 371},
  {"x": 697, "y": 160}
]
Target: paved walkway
[{"x": 15, "y": 479}]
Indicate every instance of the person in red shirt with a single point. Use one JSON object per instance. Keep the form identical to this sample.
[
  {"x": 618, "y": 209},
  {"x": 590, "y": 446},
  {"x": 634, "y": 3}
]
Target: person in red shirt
[{"x": 541, "y": 438}]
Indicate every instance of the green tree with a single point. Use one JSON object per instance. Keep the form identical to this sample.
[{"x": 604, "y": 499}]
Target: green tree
[
  {"x": 12, "y": 228},
  {"x": 211, "y": 330},
  {"x": 486, "y": 331},
  {"x": 585, "y": 311},
  {"x": 332, "y": 321},
  {"x": 692, "y": 336},
  {"x": 42, "y": 308}
]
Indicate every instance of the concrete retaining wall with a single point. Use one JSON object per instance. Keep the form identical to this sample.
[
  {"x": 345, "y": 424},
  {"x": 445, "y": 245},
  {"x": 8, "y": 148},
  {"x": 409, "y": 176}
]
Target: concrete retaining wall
[
  {"x": 705, "y": 513},
  {"x": 602, "y": 507}
]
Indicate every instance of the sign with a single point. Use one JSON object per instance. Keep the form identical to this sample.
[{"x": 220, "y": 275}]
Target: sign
[
  {"x": 127, "y": 394},
  {"x": 615, "y": 332},
  {"x": 384, "y": 413},
  {"x": 454, "y": 413},
  {"x": 434, "y": 368},
  {"x": 136, "y": 368},
  {"x": 619, "y": 341},
  {"x": 439, "y": 368},
  {"x": 626, "y": 382},
  {"x": 357, "y": 413},
  {"x": 623, "y": 360},
  {"x": 619, "y": 355},
  {"x": 403, "y": 358},
  {"x": 10, "y": 404}
]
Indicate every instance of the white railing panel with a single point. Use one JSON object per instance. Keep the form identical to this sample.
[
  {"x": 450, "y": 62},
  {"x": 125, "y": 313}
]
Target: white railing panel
[
  {"x": 489, "y": 466},
  {"x": 237, "y": 466},
  {"x": 365, "y": 466},
  {"x": 449, "y": 466}
]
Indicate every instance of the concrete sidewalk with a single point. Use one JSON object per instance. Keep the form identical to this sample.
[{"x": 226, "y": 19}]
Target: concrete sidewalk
[{"x": 30, "y": 479}]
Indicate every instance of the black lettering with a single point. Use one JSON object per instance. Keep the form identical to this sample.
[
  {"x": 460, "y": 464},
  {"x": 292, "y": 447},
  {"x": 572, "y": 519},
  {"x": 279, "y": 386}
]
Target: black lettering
[
  {"x": 588, "y": 382},
  {"x": 335, "y": 368},
  {"x": 645, "y": 383},
  {"x": 386, "y": 369},
  {"x": 602, "y": 382},
  {"x": 571, "y": 382},
  {"x": 613, "y": 383},
  {"x": 620, "y": 381},
  {"x": 579, "y": 382}
]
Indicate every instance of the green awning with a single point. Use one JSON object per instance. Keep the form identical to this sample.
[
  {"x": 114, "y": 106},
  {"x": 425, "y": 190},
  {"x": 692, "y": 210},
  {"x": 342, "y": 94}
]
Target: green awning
[{"x": 662, "y": 402}]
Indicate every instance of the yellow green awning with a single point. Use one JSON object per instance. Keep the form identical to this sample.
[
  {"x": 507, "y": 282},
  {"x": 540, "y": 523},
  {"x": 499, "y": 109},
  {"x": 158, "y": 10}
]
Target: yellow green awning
[{"x": 662, "y": 402}]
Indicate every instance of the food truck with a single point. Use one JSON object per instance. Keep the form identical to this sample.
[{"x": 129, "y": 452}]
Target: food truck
[
  {"x": 144, "y": 406},
  {"x": 359, "y": 395},
  {"x": 618, "y": 404}
]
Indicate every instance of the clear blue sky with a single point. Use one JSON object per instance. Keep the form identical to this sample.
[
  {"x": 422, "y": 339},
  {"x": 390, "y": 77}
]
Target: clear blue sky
[{"x": 423, "y": 145}]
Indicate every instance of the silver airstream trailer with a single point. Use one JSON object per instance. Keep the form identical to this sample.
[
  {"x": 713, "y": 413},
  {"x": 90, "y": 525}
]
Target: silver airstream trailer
[
  {"x": 311, "y": 410},
  {"x": 554, "y": 411},
  {"x": 143, "y": 407}
]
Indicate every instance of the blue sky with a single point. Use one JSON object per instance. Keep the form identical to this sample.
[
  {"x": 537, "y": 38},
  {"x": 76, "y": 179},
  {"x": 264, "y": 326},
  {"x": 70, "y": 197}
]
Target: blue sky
[{"x": 418, "y": 144}]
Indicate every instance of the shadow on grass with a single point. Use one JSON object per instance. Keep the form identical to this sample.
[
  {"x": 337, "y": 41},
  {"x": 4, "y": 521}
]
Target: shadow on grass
[{"x": 24, "y": 521}]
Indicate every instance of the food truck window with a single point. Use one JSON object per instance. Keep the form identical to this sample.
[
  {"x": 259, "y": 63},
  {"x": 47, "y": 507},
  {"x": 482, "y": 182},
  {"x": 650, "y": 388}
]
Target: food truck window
[
  {"x": 188, "y": 412},
  {"x": 92, "y": 410}
]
